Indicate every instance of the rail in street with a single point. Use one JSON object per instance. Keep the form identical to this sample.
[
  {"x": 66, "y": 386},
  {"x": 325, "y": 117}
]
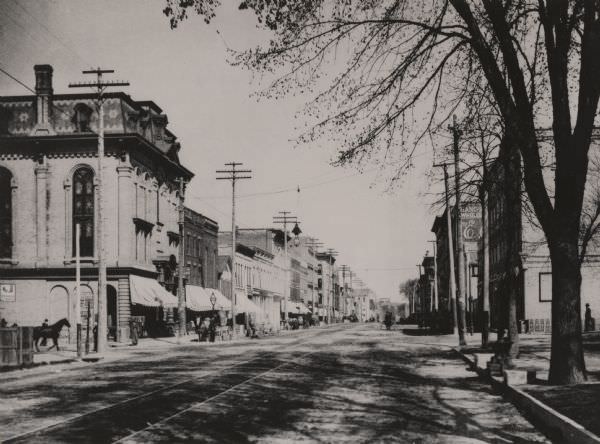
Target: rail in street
[{"x": 353, "y": 382}]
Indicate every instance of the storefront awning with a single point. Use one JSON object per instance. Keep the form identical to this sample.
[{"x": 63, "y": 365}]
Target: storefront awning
[
  {"x": 243, "y": 304},
  {"x": 198, "y": 299},
  {"x": 148, "y": 292},
  {"x": 298, "y": 308},
  {"x": 269, "y": 294}
]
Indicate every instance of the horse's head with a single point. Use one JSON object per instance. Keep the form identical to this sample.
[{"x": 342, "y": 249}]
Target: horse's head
[{"x": 65, "y": 322}]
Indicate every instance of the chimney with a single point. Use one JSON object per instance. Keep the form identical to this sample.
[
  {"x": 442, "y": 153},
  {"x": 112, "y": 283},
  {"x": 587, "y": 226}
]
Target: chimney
[{"x": 43, "y": 99}]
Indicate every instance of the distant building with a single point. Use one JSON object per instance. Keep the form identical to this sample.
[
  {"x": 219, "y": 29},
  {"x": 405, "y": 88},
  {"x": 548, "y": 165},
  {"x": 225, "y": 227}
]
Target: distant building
[
  {"x": 471, "y": 235},
  {"x": 426, "y": 287},
  {"x": 201, "y": 249},
  {"x": 258, "y": 273},
  {"x": 363, "y": 301},
  {"x": 301, "y": 264},
  {"x": 327, "y": 280}
]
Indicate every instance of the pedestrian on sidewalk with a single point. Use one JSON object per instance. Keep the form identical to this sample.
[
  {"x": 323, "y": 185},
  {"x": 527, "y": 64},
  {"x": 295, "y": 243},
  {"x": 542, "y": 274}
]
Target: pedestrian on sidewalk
[
  {"x": 133, "y": 333},
  {"x": 204, "y": 330},
  {"x": 588, "y": 320},
  {"x": 213, "y": 327}
]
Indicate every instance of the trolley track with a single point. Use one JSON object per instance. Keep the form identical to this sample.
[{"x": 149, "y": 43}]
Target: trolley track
[{"x": 131, "y": 415}]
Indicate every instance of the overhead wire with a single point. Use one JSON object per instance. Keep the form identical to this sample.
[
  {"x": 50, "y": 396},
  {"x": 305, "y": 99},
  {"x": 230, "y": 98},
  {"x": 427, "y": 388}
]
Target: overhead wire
[
  {"x": 51, "y": 33},
  {"x": 16, "y": 80},
  {"x": 309, "y": 185},
  {"x": 35, "y": 38},
  {"x": 204, "y": 200},
  {"x": 53, "y": 105}
]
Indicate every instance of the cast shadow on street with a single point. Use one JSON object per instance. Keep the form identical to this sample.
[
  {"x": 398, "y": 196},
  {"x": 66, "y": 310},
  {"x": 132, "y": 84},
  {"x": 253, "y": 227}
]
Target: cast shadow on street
[
  {"x": 363, "y": 390},
  {"x": 374, "y": 396}
]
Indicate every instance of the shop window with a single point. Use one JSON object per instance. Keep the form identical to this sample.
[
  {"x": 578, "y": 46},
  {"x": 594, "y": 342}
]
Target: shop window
[{"x": 83, "y": 210}]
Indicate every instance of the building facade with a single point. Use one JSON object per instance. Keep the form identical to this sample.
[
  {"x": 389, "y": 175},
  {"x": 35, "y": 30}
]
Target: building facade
[
  {"x": 301, "y": 279},
  {"x": 326, "y": 286},
  {"x": 258, "y": 278},
  {"x": 48, "y": 175},
  {"x": 201, "y": 249},
  {"x": 532, "y": 262},
  {"x": 471, "y": 235}
]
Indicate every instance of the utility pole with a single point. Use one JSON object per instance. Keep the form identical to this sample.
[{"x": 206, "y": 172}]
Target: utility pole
[
  {"x": 100, "y": 86},
  {"x": 452, "y": 283},
  {"x": 351, "y": 291},
  {"x": 421, "y": 296},
  {"x": 285, "y": 219},
  {"x": 485, "y": 321},
  {"x": 313, "y": 243},
  {"x": 181, "y": 264},
  {"x": 77, "y": 288},
  {"x": 435, "y": 282},
  {"x": 345, "y": 268},
  {"x": 460, "y": 249},
  {"x": 331, "y": 252},
  {"x": 233, "y": 175}
]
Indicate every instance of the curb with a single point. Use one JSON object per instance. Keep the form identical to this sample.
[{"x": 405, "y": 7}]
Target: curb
[{"x": 554, "y": 424}]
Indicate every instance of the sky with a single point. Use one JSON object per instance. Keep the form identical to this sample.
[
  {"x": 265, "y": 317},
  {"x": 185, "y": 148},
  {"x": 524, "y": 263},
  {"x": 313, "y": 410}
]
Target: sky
[{"x": 212, "y": 108}]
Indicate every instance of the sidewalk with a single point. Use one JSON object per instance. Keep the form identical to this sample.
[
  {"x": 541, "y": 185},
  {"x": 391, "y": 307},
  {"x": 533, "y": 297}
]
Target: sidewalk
[{"x": 571, "y": 412}]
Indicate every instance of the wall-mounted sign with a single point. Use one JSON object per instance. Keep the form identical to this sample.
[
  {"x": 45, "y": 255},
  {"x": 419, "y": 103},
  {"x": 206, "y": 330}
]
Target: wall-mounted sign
[{"x": 8, "y": 292}]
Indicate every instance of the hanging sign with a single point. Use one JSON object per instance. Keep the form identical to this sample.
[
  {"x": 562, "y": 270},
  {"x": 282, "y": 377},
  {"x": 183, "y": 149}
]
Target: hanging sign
[{"x": 8, "y": 292}]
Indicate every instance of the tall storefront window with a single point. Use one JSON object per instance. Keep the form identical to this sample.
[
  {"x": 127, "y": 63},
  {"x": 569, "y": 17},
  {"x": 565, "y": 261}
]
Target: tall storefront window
[
  {"x": 6, "y": 241},
  {"x": 83, "y": 210}
]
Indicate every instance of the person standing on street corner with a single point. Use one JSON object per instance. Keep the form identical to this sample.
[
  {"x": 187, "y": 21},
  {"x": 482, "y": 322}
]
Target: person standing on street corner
[
  {"x": 588, "y": 320},
  {"x": 133, "y": 333},
  {"x": 213, "y": 328}
]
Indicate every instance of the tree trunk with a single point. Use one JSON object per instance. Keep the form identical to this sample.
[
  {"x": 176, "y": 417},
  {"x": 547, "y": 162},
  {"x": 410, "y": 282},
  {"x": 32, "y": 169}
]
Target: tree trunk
[
  {"x": 513, "y": 327},
  {"x": 511, "y": 162},
  {"x": 567, "y": 364}
]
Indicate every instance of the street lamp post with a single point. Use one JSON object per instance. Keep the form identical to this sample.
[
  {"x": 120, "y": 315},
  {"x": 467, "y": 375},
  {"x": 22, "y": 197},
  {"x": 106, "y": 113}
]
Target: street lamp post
[{"x": 213, "y": 301}]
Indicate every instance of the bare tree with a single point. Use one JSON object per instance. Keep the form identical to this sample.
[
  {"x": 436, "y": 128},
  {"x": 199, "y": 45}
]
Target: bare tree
[
  {"x": 409, "y": 288},
  {"x": 403, "y": 61}
]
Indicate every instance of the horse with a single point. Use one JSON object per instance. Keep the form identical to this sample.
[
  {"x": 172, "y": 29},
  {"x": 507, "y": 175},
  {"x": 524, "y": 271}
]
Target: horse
[{"x": 49, "y": 332}]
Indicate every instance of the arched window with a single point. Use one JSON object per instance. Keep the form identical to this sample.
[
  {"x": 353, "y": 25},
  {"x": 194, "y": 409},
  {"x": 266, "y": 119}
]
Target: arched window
[
  {"x": 6, "y": 241},
  {"x": 83, "y": 210}
]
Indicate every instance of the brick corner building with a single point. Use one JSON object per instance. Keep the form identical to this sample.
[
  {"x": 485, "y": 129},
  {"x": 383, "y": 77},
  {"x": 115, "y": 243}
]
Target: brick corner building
[{"x": 48, "y": 164}]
